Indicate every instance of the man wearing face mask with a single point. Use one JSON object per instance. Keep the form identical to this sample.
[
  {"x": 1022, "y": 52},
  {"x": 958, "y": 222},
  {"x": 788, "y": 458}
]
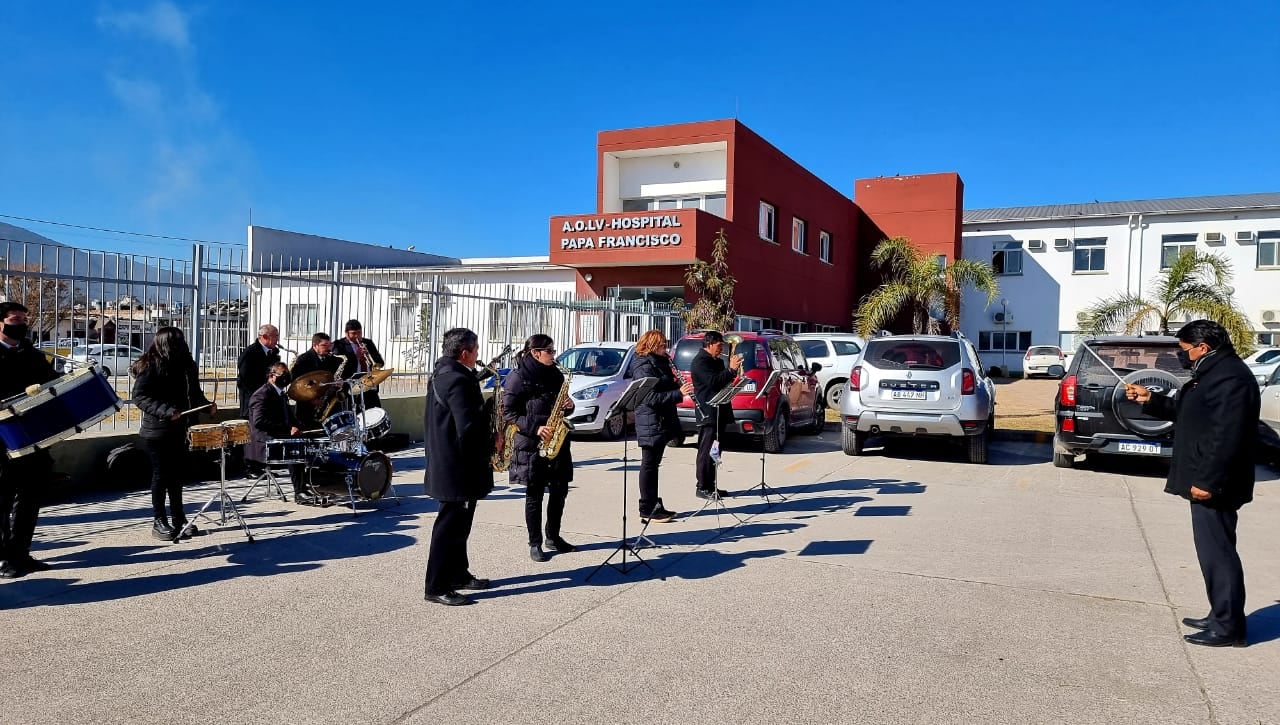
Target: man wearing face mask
[
  {"x": 271, "y": 417},
  {"x": 21, "y": 365},
  {"x": 1212, "y": 467}
]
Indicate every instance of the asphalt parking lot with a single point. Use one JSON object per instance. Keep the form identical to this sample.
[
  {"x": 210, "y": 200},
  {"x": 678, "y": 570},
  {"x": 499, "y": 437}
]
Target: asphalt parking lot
[{"x": 904, "y": 587}]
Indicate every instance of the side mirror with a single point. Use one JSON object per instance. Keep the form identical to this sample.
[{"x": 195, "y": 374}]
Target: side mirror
[
  {"x": 1056, "y": 371},
  {"x": 1262, "y": 380},
  {"x": 815, "y": 367}
]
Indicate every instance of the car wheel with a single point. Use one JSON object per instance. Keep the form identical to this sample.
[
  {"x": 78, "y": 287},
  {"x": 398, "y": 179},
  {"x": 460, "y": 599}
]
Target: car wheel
[
  {"x": 775, "y": 438},
  {"x": 819, "y": 418},
  {"x": 1063, "y": 460},
  {"x": 614, "y": 428},
  {"x": 979, "y": 447},
  {"x": 852, "y": 442},
  {"x": 107, "y": 371},
  {"x": 835, "y": 391}
]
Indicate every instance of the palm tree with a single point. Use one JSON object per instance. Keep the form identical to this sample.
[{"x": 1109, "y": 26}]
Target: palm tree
[
  {"x": 917, "y": 281},
  {"x": 1195, "y": 285}
]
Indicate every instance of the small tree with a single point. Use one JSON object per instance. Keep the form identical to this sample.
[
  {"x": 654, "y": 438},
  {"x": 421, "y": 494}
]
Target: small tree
[
  {"x": 46, "y": 298},
  {"x": 1194, "y": 285},
  {"x": 916, "y": 282},
  {"x": 713, "y": 286}
]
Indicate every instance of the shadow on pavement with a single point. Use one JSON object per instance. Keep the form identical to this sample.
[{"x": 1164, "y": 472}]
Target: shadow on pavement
[{"x": 1264, "y": 624}]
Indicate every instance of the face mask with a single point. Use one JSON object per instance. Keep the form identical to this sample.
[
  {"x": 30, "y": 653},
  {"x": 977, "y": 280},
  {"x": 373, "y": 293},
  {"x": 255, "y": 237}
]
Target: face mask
[
  {"x": 282, "y": 381},
  {"x": 15, "y": 332},
  {"x": 1184, "y": 357}
]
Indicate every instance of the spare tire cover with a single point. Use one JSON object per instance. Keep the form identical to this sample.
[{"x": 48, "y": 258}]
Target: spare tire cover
[{"x": 1130, "y": 415}]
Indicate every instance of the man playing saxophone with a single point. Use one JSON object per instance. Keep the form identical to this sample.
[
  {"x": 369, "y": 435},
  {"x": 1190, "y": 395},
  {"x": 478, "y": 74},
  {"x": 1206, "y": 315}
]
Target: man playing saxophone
[{"x": 535, "y": 398}]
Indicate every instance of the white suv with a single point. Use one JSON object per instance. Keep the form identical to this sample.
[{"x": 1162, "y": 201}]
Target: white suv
[{"x": 836, "y": 352}]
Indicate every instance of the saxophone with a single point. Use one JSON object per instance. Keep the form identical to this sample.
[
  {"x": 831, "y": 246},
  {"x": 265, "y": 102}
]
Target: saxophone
[
  {"x": 334, "y": 396},
  {"x": 504, "y": 434},
  {"x": 559, "y": 426}
]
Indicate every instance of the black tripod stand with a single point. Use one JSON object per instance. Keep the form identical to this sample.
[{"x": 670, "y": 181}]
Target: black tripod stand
[
  {"x": 766, "y": 490},
  {"x": 637, "y": 391},
  {"x": 724, "y": 396}
]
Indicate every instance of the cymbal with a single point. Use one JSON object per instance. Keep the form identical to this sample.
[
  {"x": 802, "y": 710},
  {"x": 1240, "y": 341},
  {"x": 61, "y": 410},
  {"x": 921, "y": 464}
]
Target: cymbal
[
  {"x": 311, "y": 386},
  {"x": 369, "y": 380}
]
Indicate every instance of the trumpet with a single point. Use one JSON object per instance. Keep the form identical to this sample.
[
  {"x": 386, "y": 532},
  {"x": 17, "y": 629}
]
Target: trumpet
[{"x": 733, "y": 340}]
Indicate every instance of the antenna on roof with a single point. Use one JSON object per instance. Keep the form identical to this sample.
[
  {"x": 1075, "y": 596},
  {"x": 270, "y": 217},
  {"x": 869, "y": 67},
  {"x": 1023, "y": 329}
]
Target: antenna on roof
[{"x": 735, "y": 107}]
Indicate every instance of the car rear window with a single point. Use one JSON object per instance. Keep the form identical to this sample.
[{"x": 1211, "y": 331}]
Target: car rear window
[
  {"x": 1124, "y": 359},
  {"x": 912, "y": 354},
  {"x": 751, "y": 351},
  {"x": 1044, "y": 351}
]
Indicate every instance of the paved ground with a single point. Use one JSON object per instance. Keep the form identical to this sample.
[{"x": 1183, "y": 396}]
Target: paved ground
[{"x": 903, "y": 589}]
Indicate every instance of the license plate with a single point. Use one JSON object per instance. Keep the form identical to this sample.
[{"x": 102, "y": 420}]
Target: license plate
[
  {"x": 1137, "y": 447},
  {"x": 910, "y": 395}
]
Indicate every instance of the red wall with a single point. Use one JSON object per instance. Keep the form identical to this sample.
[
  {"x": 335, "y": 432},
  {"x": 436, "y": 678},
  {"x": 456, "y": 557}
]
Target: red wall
[{"x": 925, "y": 208}]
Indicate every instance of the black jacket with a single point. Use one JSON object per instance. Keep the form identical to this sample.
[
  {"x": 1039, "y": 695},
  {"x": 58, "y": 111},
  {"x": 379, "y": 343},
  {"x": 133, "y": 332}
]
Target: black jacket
[
  {"x": 458, "y": 440},
  {"x": 343, "y": 346},
  {"x": 22, "y": 366},
  {"x": 656, "y": 418},
  {"x": 161, "y": 394},
  {"x": 269, "y": 417},
  {"x": 528, "y": 393},
  {"x": 710, "y": 376},
  {"x": 251, "y": 371},
  {"x": 1216, "y": 434},
  {"x": 309, "y": 362}
]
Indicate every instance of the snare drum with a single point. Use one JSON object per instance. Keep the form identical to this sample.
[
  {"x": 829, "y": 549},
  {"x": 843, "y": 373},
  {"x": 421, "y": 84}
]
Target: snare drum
[
  {"x": 293, "y": 450},
  {"x": 340, "y": 426},
  {"x": 58, "y": 410},
  {"x": 206, "y": 437},
  {"x": 376, "y": 422},
  {"x": 237, "y": 431}
]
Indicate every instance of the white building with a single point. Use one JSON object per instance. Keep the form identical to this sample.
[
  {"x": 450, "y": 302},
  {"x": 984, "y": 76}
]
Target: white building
[{"x": 1055, "y": 261}]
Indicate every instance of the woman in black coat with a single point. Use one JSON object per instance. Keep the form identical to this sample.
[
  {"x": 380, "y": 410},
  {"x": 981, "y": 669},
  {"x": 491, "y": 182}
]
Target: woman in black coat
[
  {"x": 657, "y": 422},
  {"x": 166, "y": 383},
  {"x": 528, "y": 395}
]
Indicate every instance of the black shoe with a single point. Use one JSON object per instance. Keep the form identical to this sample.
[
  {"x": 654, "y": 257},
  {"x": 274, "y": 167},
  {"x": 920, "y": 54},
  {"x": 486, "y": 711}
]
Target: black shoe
[
  {"x": 190, "y": 531},
  {"x": 1210, "y": 638},
  {"x": 9, "y": 571},
  {"x": 450, "y": 599},
  {"x": 1196, "y": 623},
  {"x": 474, "y": 584},
  {"x": 535, "y": 553},
  {"x": 30, "y": 565},
  {"x": 659, "y": 515},
  {"x": 560, "y": 545},
  {"x": 161, "y": 530},
  {"x": 722, "y": 493},
  {"x": 708, "y": 494}
]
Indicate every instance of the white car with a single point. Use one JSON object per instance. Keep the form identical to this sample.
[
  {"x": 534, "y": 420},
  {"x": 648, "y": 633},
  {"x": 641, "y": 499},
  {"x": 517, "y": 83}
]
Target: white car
[
  {"x": 1264, "y": 363},
  {"x": 836, "y": 352},
  {"x": 1040, "y": 358},
  {"x": 111, "y": 359},
  {"x": 598, "y": 369}
]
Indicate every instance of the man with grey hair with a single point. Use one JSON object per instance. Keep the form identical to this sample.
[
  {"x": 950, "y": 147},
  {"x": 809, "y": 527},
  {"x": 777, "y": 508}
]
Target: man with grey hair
[
  {"x": 254, "y": 361},
  {"x": 458, "y": 446}
]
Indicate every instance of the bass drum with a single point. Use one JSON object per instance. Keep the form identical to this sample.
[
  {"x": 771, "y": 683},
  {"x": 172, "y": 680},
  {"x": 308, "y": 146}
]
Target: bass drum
[
  {"x": 370, "y": 473},
  {"x": 1130, "y": 414}
]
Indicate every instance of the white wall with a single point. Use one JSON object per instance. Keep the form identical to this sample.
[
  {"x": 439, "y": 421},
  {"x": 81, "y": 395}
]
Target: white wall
[
  {"x": 652, "y": 173},
  {"x": 1047, "y": 297}
]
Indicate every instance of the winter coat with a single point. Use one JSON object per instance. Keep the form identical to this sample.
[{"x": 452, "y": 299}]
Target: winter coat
[
  {"x": 269, "y": 417},
  {"x": 160, "y": 394},
  {"x": 251, "y": 371},
  {"x": 710, "y": 376},
  {"x": 1217, "y": 427},
  {"x": 528, "y": 393},
  {"x": 657, "y": 421},
  {"x": 21, "y": 366},
  {"x": 458, "y": 439}
]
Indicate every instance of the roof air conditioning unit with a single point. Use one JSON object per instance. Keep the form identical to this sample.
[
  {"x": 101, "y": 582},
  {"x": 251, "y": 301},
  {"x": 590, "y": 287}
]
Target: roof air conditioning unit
[
  {"x": 1061, "y": 244},
  {"x": 1035, "y": 245},
  {"x": 1214, "y": 238},
  {"x": 1244, "y": 237},
  {"x": 1270, "y": 317},
  {"x": 1001, "y": 318}
]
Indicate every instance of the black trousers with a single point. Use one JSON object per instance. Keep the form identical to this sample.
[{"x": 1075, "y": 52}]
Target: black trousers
[
  {"x": 1214, "y": 532},
  {"x": 650, "y": 459},
  {"x": 20, "y": 482},
  {"x": 533, "y": 490},
  {"x": 447, "y": 563},
  {"x": 168, "y": 456},
  {"x": 706, "y": 468}
]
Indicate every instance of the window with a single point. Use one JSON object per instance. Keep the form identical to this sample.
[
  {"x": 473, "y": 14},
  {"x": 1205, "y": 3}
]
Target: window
[
  {"x": 824, "y": 246},
  {"x": 941, "y": 260},
  {"x": 498, "y": 322},
  {"x": 635, "y": 205},
  {"x": 998, "y": 341},
  {"x": 301, "y": 321},
  {"x": 1269, "y": 249},
  {"x": 1173, "y": 246},
  {"x": 749, "y": 324},
  {"x": 527, "y": 318},
  {"x": 1091, "y": 255},
  {"x": 714, "y": 203},
  {"x": 1006, "y": 258},
  {"x": 792, "y": 328},
  {"x": 407, "y": 319},
  {"x": 815, "y": 348},
  {"x": 890, "y": 354},
  {"x": 768, "y": 222},
  {"x": 797, "y": 235},
  {"x": 846, "y": 347},
  {"x": 1268, "y": 339}
]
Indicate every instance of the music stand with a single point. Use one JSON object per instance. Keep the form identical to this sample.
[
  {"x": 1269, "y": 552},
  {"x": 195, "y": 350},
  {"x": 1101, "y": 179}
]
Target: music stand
[
  {"x": 765, "y": 489},
  {"x": 635, "y": 393},
  {"x": 726, "y": 395}
]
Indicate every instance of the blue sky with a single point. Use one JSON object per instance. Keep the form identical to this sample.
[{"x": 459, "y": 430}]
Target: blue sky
[{"x": 460, "y": 127}]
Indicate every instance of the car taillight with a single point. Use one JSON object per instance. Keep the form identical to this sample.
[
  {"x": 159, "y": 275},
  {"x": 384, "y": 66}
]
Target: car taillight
[
  {"x": 968, "y": 384},
  {"x": 1027, "y": 356},
  {"x": 1067, "y": 391},
  {"x": 855, "y": 379},
  {"x": 1068, "y": 425}
]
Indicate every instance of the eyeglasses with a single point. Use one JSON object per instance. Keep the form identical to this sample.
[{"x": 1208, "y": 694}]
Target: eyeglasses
[{"x": 550, "y": 350}]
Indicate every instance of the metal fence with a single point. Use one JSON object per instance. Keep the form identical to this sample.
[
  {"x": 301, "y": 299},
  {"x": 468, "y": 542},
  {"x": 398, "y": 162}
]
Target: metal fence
[{"x": 107, "y": 306}]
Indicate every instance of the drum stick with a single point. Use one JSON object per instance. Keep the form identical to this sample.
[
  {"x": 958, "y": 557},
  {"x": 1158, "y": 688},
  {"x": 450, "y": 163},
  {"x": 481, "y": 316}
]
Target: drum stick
[{"x": 202, "y": 407}]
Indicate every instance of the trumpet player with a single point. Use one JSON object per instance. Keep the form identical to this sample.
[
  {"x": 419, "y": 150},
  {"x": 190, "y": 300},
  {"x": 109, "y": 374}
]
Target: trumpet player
[
  {"x": 710, "y": 376},
  {"x": 532, "y": 392},
  {"x": 362, "y": 355}
]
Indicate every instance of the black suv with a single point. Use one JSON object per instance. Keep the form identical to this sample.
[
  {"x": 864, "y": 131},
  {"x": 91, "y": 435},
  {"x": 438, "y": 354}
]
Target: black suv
[{"x": 1093, "y": 413}]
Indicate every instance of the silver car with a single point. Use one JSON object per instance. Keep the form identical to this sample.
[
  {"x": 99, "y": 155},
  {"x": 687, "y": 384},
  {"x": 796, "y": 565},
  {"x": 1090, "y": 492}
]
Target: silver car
[
  {"x": 598, "y": 369},
  {"x": 837, "y": 353},
  {"x": 919, "y": 385}
]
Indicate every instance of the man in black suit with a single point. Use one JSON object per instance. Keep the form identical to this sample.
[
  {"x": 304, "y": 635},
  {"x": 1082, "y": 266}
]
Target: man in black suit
[
  {"x": 21, "y": 478},
  {"x": 1212, "y": 467},
  {"x": 251, "y": 367},
  {"x": 362, "y": 356},
  {"x": 319, "y": 357},
  {"x": 270, "y": 417},
  {"x": 458, "y": 446},
  {"x": 710, "y": 376}
]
